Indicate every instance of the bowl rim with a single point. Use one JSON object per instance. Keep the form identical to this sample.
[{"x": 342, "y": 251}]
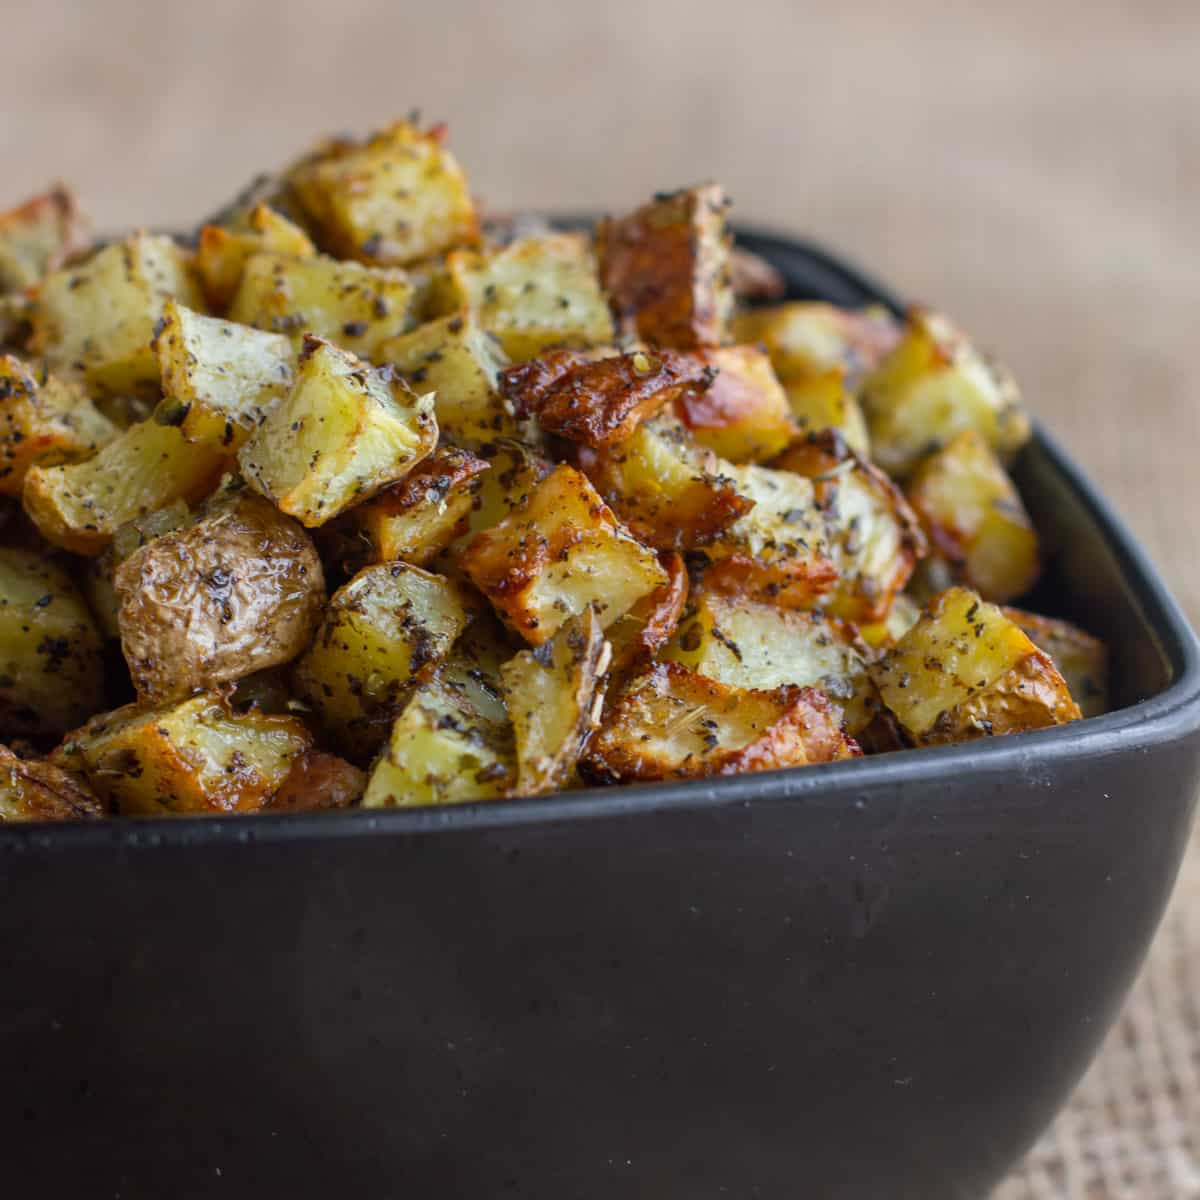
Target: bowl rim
[{"x": 1168, "y": 716}]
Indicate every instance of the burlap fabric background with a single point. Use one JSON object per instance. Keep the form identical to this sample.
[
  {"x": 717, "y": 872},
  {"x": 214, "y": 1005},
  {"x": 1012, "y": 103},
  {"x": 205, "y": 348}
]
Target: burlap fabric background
[{"x": 1033, "y": 167}]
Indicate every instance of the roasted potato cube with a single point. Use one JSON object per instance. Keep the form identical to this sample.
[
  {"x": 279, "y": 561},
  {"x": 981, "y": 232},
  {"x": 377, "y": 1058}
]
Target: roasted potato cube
[
  {"x": 666, "y": 268},
  {"x": 975, "y": 519},
  {"x": 398, "y": 198},
  {"x": 674, "y": 724},
  {"x": 419, "y": 517},
  {"x": 98, "y": 318},
  {"x": 671, "y": 493},
  {"x": 222, "y": 253},
  {"x": 870, "y": 532},
  {"x": 38, "y": 236},
  {"x": 823, "y": 402},
  {"x": 194, "y": 757},
  {"x": 902, "y": 616},
  {"x": 218, "y": 378},
  {"x": 1082, "y": 660},
  {"x": 44, "y": 421},
  {"x": 236, "y": 592},
  {"x": 81, "y": 505},
  {"x": 647, "y": 627},
  {"x": 532, "y": 294},
  {"x": 559, "y": 552},
  {"x": 553, "y": 697},
  {"x": 809, "y": 338},
  {"x": 344, "y": 432},
  {"x": 356, "y": 307},
  {"x": 964, "y": 670},
  {"x": 32, "y": 790},
  {"x": 934, "y": 385},
  {"x": 318, "y": 781},
  {"x": 51, "y": 672},
  {"x": 382, "y": 632},
  {"x": 748, "y": 644},
  {"x": 454, "y": 358},
  {"x": 743, "y": 415},
  {"x": 600, "y": 402},
  {"x": 442, "y": 750},
  {"x": 777, "y": 551},
  {"x": 514, "y": 471}
]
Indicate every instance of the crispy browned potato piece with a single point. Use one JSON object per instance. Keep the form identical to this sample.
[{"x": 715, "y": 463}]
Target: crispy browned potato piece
[
  {"x": 601, "y": 402},
  {"x": 975, "y": 519},
  {"x": 419, "y": 517},
  {"x": 51, "y": 670},
  {"x": 753, "y": 278},
  {"x": 44, "y": 421},
  {"x": 647, "y": 627},
  {"x": 666, "y": 268},
  {"x": 37, "y": 237},
  {"x": 553, "y": 697},
  {"x": 674, "y": 724},
  {"x": 743, "y": 415},
  {"x": 194, "y": 757},
  {"x": 560, "y": 551},
  {"x": 318, "y": 781},
  {"x": 871, "y": 533},
  {"x": 672, "y": 494},
  {"x": 238, "y": 591},
  {"x": 33, "y": 790},
  {"x": 1081, "y": 659},
  {"x": 396, "y": 199},
  {"x": 964, "y": 671}
]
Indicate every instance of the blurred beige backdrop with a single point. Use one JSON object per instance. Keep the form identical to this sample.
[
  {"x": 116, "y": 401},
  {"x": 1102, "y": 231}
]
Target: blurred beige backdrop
[{"x": 1032, "y": 167}]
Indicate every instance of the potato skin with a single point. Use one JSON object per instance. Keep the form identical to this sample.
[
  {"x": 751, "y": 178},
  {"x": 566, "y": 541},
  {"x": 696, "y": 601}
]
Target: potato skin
[
  {"x": 34, "y": 790},
  {"x": 318, "y": 782},
  {"x": 239, "y": 591}
]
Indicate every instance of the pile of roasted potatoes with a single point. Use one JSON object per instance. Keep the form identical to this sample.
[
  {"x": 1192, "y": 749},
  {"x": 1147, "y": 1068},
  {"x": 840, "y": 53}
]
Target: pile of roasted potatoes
[{"x": 357, "y": 498}]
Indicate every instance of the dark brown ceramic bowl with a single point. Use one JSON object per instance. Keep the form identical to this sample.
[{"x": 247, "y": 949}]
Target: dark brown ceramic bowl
[{"x": 875, "y": 980}]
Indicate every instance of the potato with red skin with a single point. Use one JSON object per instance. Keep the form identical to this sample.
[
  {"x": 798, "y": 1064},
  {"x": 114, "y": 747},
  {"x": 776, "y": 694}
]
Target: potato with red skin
[{"x": 238, "y": 591}]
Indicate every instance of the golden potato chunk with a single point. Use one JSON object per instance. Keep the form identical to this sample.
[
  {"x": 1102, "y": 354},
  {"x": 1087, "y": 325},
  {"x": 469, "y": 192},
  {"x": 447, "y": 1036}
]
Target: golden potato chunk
[
  {"x": 975, "y": 519},
  {"x": 81, "y": 505},
  {"x": 553, "y": 698},
  {"x": 238, "y": 591},
  {"x": 44, "y": 421},
  {"x": 810, "y": 338},
  {"x": 344, "y": 432},
  {"x": 871, "y": 534},
  {"x": 382, "y": 632},
  {"x": 934, "y": 385},
  {"x": 98, "y": 318},
  {"x": 532, "y": 294},
  {"x": 218, "y": 378},
  {"x": 194, "y": 757},
  {"x": 674, "y": 724},
  {"x": 356, "y": 307},
  {"x": 743, "y": 415},
  {"x": 51, "y": 672},
  {"x": 38, "y": 236},
  {"x": 638, "y": 635},
  {"x": 398, "y": 198},
  {"x": 460, "y": 363},
  {"x": 599, "y": 402},
  {"x": 671, "y": 493},
  {"x": 317, "y": 782},
  {"x": 32, "y": 790},
  {"x": 902, "y": 616},
  {"x": 823, "y": 402},
  {"x": 221, "y": 253},
  {"x": 666, "y": 268},
  {"x": 964, "y": 670},
  {"x": 748, "y": 644},
  {"x": 1081, "y": 659},
  {"x": 419, "y": 517},
  {"x": 560, "y": 551},
  {"x": 777, "y": 551}
]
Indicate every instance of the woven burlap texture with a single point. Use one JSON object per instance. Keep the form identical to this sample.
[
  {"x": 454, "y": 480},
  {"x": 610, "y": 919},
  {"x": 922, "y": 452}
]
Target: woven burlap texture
[{"x": 1132, "y": 1130}]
